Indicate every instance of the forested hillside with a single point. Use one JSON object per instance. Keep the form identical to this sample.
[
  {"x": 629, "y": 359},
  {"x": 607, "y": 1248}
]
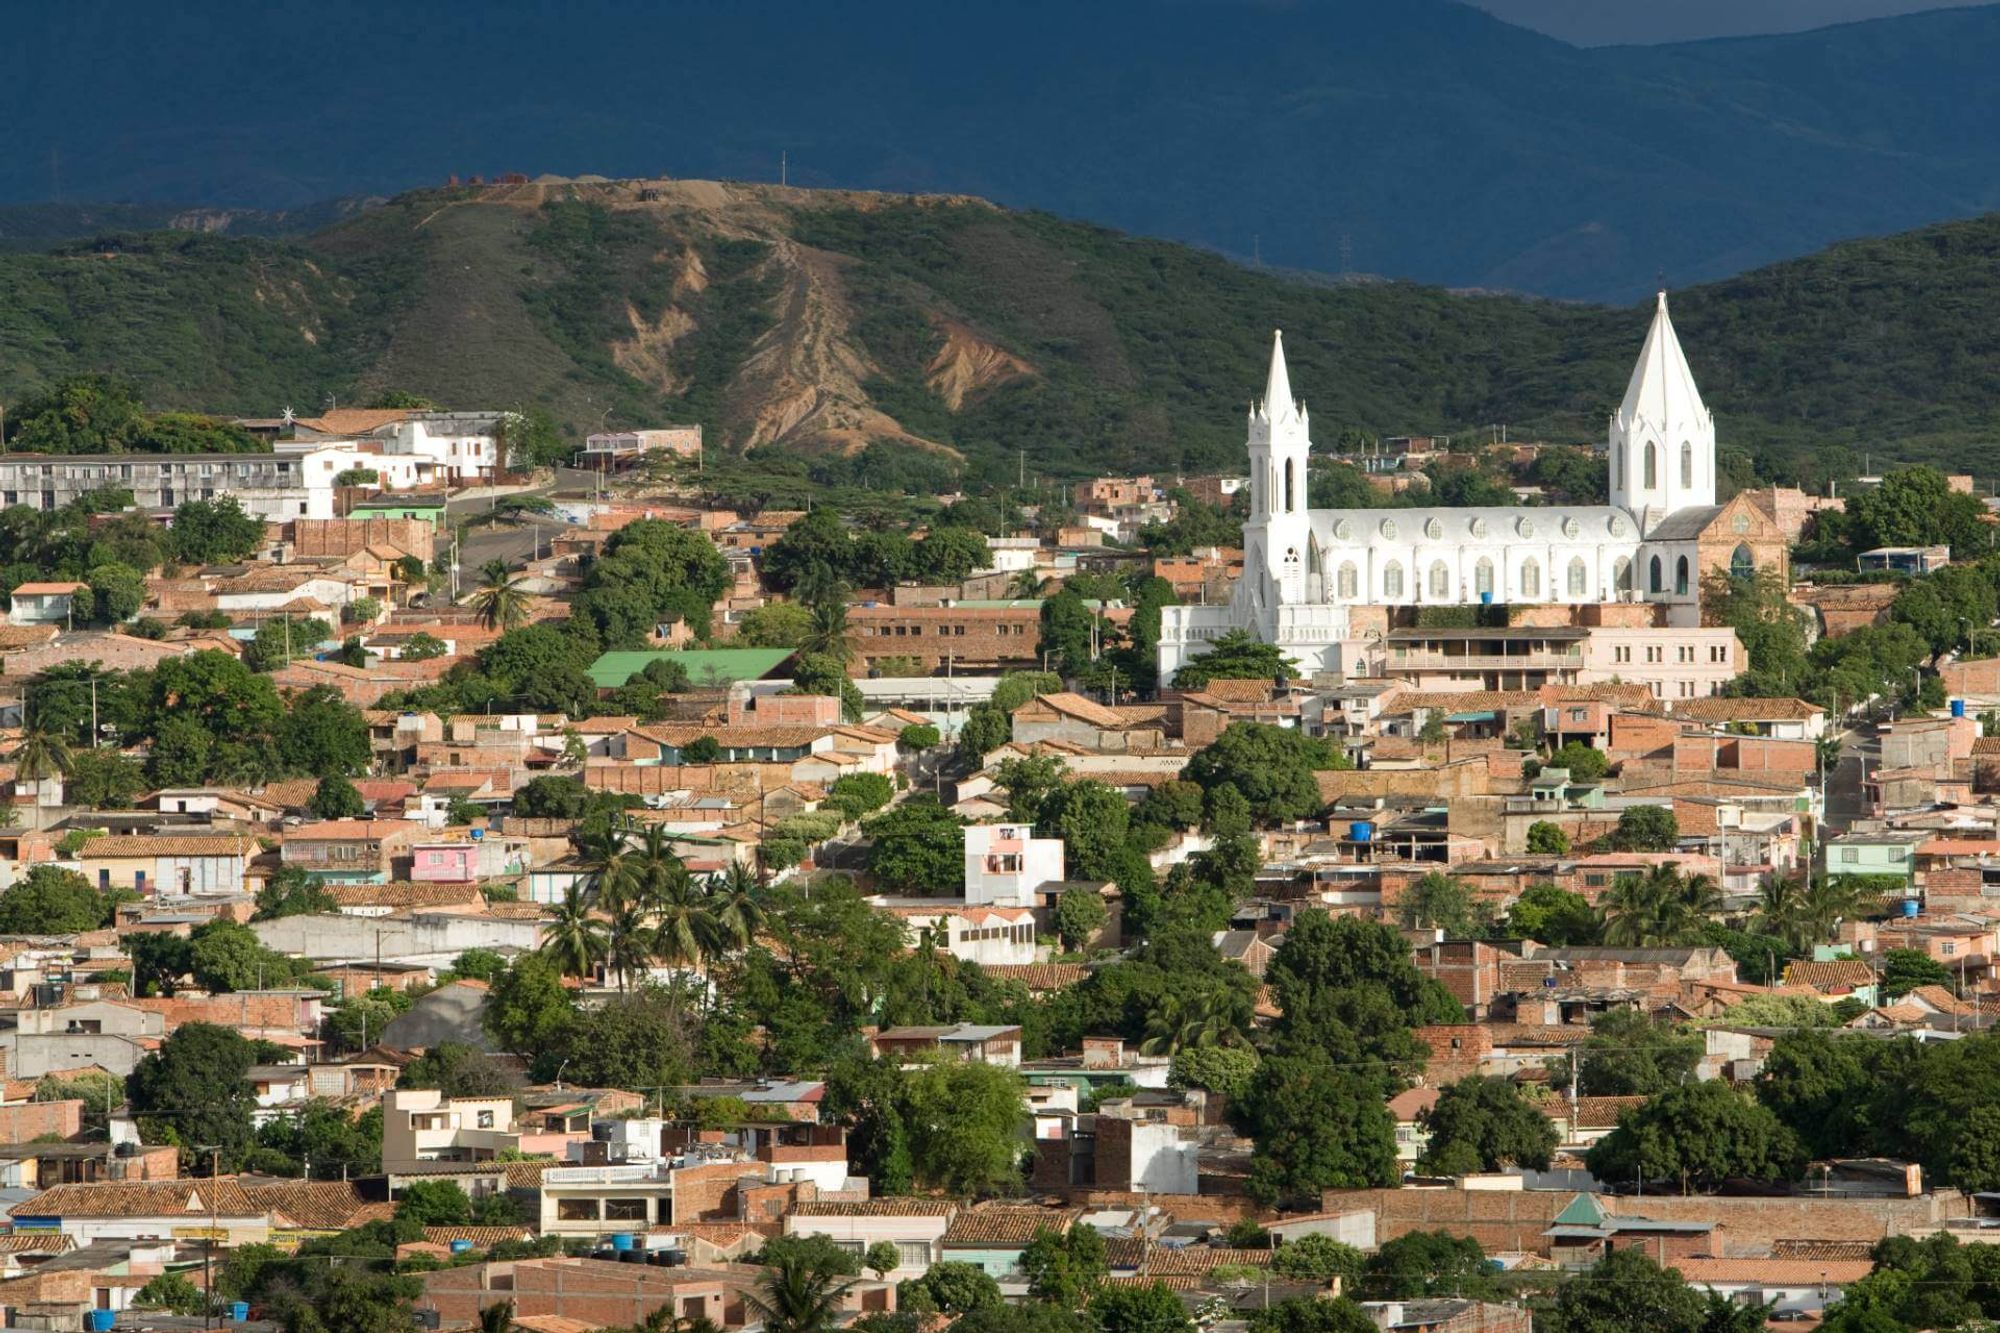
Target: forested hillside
[{"x": 921, "y": 337}]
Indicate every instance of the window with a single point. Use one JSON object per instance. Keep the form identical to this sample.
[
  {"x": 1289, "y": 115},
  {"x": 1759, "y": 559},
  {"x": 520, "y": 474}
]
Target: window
[
  {"x": 1531, "y": 578},
  {"x": 1741, "y": 565},
  {"x": 1622, "y": 653},
  {"x": 1440, "y": 580},
  {"x": 1482, "y": 577},
  {"x": 1657, "y": 585},
  {"x": 1947, "y": 947},
  {"x": 1346, "y": 581},
  {"x": 1392, "y": 579},
  {"x": 1289, "y": 505},
  {"x": 913, "y": 1253},
  {"x": 1849, "y": 855},
  {"x": 1652, "y": 465},
  {"x": 1684, "y": 653},
  {"x": 1687, "y": 464},
  {"x": 1653, "y": 653},
  {"x": 485, "y": 1120},
  {"x": 1578, "y": 577},
  {"x": 577, "y": 1210},
  {"x": 1718, "y": 652},
  {"x": 1681, "y": 577},
  {"x": 627, "y": 1210},
  {"x": 1621, "y": 575}
]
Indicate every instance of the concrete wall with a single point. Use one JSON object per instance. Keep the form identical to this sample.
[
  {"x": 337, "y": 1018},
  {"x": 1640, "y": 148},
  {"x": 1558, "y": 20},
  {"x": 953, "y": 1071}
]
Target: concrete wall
[{"x": 327, "y": 938}]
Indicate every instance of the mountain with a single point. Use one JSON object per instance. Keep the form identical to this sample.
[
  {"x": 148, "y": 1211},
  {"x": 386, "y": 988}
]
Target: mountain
[
  {"x": 921, "y": 336},
  {"x": 1417, "y": 139}
]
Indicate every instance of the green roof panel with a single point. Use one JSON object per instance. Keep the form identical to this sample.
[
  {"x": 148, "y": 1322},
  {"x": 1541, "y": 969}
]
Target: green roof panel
[{"x": 705, "y": 666}]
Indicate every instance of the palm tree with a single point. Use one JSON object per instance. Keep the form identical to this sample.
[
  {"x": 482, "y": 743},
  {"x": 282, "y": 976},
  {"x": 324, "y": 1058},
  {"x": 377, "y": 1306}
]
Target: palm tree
[
  {"x": 628, "y": 940},
  {"x": 1025, "y": 584},
  {"x": 41, "y": 755},
  {"x": 1832, "y": 899},
  {"x": 827, "y": 634},
  {"x": 603, "y": 852},
  {"x": 799, "y": 1294},
  {"x": 497, "y": 1318},
  {"x": 502, "y": 600},
  {"x": 574, "y": 940},
  {"x": 737, "y": 901},
  {"x": 1781, "y": 910},
  {"x": 1659, "y": 909},
  {"x": 1212, "y": 1016}
]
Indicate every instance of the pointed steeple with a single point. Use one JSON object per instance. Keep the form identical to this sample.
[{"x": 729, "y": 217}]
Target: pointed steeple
[
  {"x": 1278, "y": 403},
  {"x": 1662, "y": 391}
]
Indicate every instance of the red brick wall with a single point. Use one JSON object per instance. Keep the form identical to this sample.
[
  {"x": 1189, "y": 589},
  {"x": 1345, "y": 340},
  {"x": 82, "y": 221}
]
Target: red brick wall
[
  {"x": 1449, "y": 1063},
  {"x": 707, "y": 1192},
  {"x": 1639, "y": 734},
  {"x": 595, "y": 1291},
  {"x": 22, "y": 1124}
]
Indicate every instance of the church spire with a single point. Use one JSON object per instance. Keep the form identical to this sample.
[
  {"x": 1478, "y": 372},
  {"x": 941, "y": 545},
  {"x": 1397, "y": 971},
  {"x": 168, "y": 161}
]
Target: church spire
[
  {"x": 1278, "y": 387},
  {"x": 1662, "y": 391}
]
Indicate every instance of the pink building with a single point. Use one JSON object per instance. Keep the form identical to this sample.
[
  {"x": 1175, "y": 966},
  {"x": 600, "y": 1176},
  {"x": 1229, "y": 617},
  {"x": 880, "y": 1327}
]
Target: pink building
[
  {"x": 1674, "y": 663},
  {"x": 444, "y": 862}
]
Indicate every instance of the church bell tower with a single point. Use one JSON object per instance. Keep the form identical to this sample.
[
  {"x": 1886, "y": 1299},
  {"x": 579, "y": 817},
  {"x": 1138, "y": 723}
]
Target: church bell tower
[
  {"x": 1663, "y": 438},
  {"x": 1278, "y": 534}
]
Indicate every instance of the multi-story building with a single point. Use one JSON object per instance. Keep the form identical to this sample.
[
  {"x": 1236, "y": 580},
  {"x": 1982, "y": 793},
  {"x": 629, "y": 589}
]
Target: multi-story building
[
  {"x": 1006, "y": 865},
  {"x": 1674, "y": 663},
  {"x": 424, "y": 1125},
  {"x": 269, "y": 486}
]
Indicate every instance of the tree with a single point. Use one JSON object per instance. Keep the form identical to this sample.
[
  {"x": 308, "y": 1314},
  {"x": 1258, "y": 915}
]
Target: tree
[
  {"x": 457, "y": 1070},
  {"x": 881, "y": 1258},
  {"x": 1439, "y": 902},
  {"x": 1318, "y": 1315},
  {"x": 194, "y": 1089},
  {"x": 1698, "y": 1135},
  {"x": 1234, "y": 655},
  {"x": 1065, "y": 1268},
  {"x": 985, "y": 728},
  {"x": 1546, "y": 839},
  {"x": 1270, "y": 767},
  {"x": 501, "y": 600},
  {"x": 1175, "y": 804},
  {"x": 574, "y": 939},
  {"x": 225, "y": 955},
  {"x": 50, "y": 900},
  {"x": 1553, "y": 916},
  {"x": 173, "y": 1293},
  {"x": 1317, "y": 1258},
  {"x": 1226, "y": 1070},
  {"x": 1659, "y": 909},
  {"x": 774, "y": 625},
  {"x": 1915, "y": 506},
  {"x": 1316, "y": 1127},
  {"x": 336, "y": 798},
  {"x": 281, "y": 641},
  {"x": 1070, "y": 631},
  {"x": 1423, "y": 1264},
  {"x": 947, "y": 554},
  {"x": 856, "y": 794},
  {"x": 1017, "y": 687},
  {"x": 1090, "y": 818},
  {"x": 1903, "y": 970},
  {"x": 1627, "y": 1290},
  {"x": 434, "y": 1203},
  {"x": 527, "y": 1007},
  {"x": 1584, "y": 763},
  {"x": 1646, "y": 828},
  {"x": 1028, "y": 781},
  {"x": 801, "y": 1291},
  {"x": 917, "y": 737},
  {"x": 1628, "y": 1054},
  {"x": 1080, "y": 914},
  {"x": 917, "y": 847},
  {"x": 1491, "y": 1118},
  {"x": 1151, "y": 1307},
  {"x": 963, "y": 1118},
  {"x": 422, "y": 647},
  {"x": 116, "y": 591},
  {"x": 652, "y": 573},
  {"x": 207, "y": 532},
  {"x": 290, "y": 891},
  {"x": 949, "y": 1287},
  {"x": 103, "y": 780}
]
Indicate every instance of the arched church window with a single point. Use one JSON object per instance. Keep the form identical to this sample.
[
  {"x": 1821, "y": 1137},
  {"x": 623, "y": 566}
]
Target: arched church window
[
  {"x": 1616, "y": 526},
  {"x": 1687, "y": 465},
  {"x": 1579, "y": 577},
  {"x": 1571, "y": 527},
  {"x": 1621, "y": 575},
  {"x": 1652, "y": 473},
  {"x": 1525, "y": 526},
  {"x": 1531, "y": 578},
  {"x": 1343, "y": 530},
  {"x": 1291, "y": 503},
  {"x": 1681, "y": 577},
  {"x": 1440, "y": 581},
  {"x": 1389, "y": 528},
  {"x": 1741, "y": 564},
  {"x": 1346, "y": 582},
  {"x": 1740, "y": 524},
  {"x": 1479, "y": 528},
  {"x": 1434, "y": 530},
  {"x": 1656, "y": 583},
  {"x": 1392, "y": 579},
  {"x": 1482, "y": 577}
]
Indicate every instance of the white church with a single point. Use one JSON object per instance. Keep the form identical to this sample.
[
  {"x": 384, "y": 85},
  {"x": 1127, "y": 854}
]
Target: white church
[{"x": 1305, "y": 570}]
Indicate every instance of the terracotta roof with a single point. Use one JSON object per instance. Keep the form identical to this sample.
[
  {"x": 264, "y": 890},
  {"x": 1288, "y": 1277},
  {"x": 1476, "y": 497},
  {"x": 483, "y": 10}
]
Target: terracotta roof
[
  {"x": 1721, "y": 708},
  {"x": 403, "y": 893},
  {"x": 353, "y": 828},
  {"x": 1840, "y": 974},
  {"x": 678, "y": 734},
  {"x": 1071, "y": 704},
  {"x": 46, "y": 589},
  {"x": 1253, "y": 690},
  {"x": 1822, "y": 1249},
  {"x": 1940, "y": 999},
  {"x": 482, "y": 1237},
  {"x": 1195, "y": 1261},
  {"x": 1776, "y": 1272},
  {"x": 36, "y": 1242},
  {"x": 24, "y": 636},
  {"x": 354, "y": 420},
  {"x": 115, "y": 846},
  {"x": 133, "y": 1198},
  {"x": 318, "y": 1205},
  {"x": 877, "y": 1208},
  {"x": 1038, "y": 976},
  {"x": 1004, "y": 1225}
]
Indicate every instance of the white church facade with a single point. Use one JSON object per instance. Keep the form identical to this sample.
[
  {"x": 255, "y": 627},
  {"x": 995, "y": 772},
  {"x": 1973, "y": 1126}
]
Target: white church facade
[{"x": 1305, "y": 570}]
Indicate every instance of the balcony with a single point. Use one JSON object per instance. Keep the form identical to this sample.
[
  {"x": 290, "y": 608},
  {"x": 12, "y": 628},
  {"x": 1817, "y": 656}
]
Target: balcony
[
  {"x": 1546, "y": 660},
  {"x": 640, "y": 1173}
]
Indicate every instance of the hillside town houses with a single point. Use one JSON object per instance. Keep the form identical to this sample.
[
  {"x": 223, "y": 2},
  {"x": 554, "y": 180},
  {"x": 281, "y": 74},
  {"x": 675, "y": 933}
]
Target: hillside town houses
[{"x": 1497, "y": 714}]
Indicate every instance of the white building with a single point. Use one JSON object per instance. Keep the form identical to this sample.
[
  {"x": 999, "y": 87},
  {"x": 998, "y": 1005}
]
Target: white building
[
  {"x": 1005, "y": 865},
  {"x": 1305, "y": 568},
  {"x": 985, "y": 935},
  {"x": 423, "y": 1125}
]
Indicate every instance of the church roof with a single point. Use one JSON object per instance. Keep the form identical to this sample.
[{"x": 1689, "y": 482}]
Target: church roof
[
  {"x": 1497, "y": 524},
  {"x": 1278, "y": 401},
  {"x": 1662, "y": 391},
  {"x": 1684, "y": 525}
]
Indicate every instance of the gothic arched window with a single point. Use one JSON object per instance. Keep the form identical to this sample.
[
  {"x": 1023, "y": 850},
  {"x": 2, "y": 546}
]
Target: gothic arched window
[
  {"x": 1681, "y": 577},
  {"x": 1531, "y": 578},
  {"x": 1656, "y": 582},
  {"x": 1687, "y": 465},
  {"x": 1392, "y": 579},
  {"x": 1579, "y": 577},
  {"x": 1346, "y": 583},
  {"x": 1482, "y": 577},
  {"x": 1290, "y": 503},
  {"x": 1440, "y": 581},
  {"x": 1741, "y": 563},
  {"x": 1652, "y": 465}
]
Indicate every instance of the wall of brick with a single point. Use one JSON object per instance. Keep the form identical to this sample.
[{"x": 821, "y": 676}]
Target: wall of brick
[
  {"x": 27, "y": 1122},
  {"x": 595, "y": 1291},
  {"x": 705, "y": 1193},
  {"x": 345, "y": 536}
]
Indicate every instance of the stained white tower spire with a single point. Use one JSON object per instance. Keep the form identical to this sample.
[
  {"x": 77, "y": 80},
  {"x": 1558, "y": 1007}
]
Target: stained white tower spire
[
  {"x": 1278, "y": 384},
  {"x": 1663, "y": 437}
]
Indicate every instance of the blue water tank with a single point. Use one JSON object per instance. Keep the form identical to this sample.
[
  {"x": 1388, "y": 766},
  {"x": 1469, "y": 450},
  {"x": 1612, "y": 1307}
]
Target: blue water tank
[
  {"x": 101, "y": 1321},
  {"x": 461, "y": 1246},
  {"x": 1958, "y": 708},
  {"x": 1486, "y": 599},
  {"x": 1361, "y": 830},
  {"x": 1911, "y": 906},
  {"x": 478, "y": 834},
  {"x": 623, "y": 1240},
  {"x": 239, "y": 1311}
]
